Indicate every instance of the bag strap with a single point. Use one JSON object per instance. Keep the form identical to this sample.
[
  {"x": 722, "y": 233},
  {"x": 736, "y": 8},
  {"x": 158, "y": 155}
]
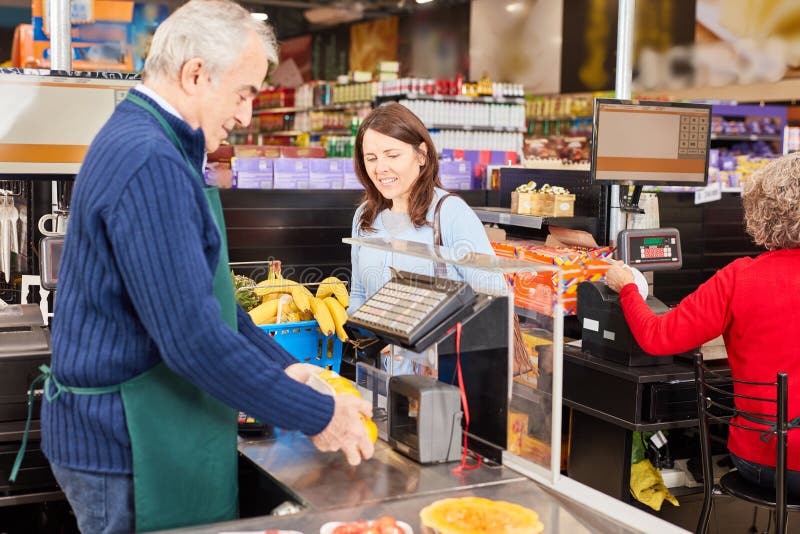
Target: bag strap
[{"x": 439, "y": 269}]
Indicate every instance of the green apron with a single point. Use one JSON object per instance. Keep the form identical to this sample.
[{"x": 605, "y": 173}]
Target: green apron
[{"x": 183, "y": 440}]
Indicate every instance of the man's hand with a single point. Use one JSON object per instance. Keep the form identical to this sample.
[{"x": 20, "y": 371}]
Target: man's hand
[
  {"x": 618, "y": 276},
  {"x": 346, "y": 430},
  {"x": 302, "y": 371}
]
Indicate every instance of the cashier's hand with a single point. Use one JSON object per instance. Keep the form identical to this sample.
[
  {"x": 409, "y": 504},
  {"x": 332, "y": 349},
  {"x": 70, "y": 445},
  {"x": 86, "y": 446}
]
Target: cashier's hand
[
  {"x": 302, "y": 372},
  {"x": 346, "y": 431},
  {"x": 618, "y": 276}
]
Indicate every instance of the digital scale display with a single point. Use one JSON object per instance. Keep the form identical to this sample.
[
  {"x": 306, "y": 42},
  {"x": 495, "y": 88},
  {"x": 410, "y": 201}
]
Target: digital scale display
[{"x": 652, "y": 249}]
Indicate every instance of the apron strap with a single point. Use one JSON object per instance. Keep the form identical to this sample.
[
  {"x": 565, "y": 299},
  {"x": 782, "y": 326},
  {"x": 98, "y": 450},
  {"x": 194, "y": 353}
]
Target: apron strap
[{"x": 49, "y": 380}]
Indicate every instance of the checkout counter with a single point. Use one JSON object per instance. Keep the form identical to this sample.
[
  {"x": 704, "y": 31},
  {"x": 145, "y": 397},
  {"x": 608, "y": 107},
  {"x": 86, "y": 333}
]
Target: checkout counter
[
  {"x": 613, "y": 386},
  {"x": 506, "y": 423}
]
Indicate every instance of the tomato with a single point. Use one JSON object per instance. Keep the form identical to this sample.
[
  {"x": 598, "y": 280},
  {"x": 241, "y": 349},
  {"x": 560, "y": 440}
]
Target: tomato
[{"x": 384, "y": 525}]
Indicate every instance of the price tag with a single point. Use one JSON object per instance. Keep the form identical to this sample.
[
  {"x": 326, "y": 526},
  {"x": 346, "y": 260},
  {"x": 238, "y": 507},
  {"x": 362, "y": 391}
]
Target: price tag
[
  {"x": 710, "y": 193},
  {"x": 504, "y": 218}
]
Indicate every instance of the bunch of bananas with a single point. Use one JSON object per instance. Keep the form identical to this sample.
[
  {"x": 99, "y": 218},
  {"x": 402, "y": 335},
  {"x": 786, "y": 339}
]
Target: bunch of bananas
[{"x": 286, "y": 301}]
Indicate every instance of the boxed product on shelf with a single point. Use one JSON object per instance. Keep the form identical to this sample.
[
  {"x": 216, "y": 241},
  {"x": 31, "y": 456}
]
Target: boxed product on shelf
[
  {"x": 254, "y": 151},
  {"x": 302, "y": 152},
  {"x": 351, "y": 181},
  {"x": 253, "y": 173},
  {"x": 326, "y": 173},
  {"x": 479, "y": 159},
  {"x": 290, "y": 173},
  {"x": 455, "y": 175},
  {"x": 219, "y": 175}
]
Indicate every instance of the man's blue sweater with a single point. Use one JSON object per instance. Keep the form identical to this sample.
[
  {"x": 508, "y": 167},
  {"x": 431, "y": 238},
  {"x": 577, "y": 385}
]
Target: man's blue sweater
[{"x": 136, "y": 288}]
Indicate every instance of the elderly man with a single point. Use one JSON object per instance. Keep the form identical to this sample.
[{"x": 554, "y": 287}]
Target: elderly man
[{"x": 151, "y": 353}]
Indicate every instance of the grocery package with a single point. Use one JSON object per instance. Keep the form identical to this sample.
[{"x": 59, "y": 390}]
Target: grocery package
[
  {"x": 475, "y": 515},
  {"x": 579, "y": 258},
  {"x": 548, "y": 201}
]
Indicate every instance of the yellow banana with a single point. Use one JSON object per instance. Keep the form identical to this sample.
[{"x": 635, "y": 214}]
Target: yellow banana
[
  {"x": 278, "y": 285},
  {"x": 334, "y": 286},
  {"x": 271, "y": 296},
  {"x": 323, "y": 316},
  {"x": 306, "y": 316},
  {"x": 264, "y": 313},
  {"x": 339, "y": 315},
  {"x": 301, "y": 296}
]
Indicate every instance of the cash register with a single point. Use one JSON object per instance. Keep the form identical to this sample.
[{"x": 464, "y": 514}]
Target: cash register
[
  {"x": 417, "y": 312},
  {"x": 605, "y": 333}
]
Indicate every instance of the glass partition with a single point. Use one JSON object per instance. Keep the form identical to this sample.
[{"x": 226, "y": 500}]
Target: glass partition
[{"x": 523, "y": 386}]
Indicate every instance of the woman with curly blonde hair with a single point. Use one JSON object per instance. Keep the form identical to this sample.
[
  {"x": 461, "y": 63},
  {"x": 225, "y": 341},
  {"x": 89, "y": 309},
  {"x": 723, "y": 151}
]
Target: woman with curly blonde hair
[{"x": 753, "y": 303}]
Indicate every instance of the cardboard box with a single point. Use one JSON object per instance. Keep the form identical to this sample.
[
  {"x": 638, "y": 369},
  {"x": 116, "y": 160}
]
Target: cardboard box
[
  {"x": 557, "y": 205},
  {"x": 302, "y": 152},
  {"x": 521, "y": 203},
  {"x": 290, "y": 173},
  {"x": 351, "y": 181},
  {"x": 255, "y": 151},
  {"x": 326, "y": 173},
  {"x": 253, "y": 173},
  {"x": 106, "y": 35}
]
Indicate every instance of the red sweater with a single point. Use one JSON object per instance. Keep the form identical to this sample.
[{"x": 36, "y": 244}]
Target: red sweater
[{"x": 754, "y": 303}]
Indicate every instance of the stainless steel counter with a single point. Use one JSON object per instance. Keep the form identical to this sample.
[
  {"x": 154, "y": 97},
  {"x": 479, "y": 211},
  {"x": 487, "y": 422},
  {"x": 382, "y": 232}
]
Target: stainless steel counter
[
  {"x": 390, "y": 484},
  {"x": 323, "y": 481}
]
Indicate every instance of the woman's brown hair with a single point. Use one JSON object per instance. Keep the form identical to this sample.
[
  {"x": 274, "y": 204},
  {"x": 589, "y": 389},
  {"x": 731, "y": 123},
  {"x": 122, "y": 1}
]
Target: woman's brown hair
[{"x": 399, "y": 122}]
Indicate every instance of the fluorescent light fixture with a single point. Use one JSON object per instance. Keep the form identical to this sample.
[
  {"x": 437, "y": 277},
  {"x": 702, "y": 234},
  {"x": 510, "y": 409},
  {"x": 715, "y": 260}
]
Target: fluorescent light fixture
[
  {"x": 424, "y": 1},
  {"x": 515, "y": 7},
  {"x": 259, "y": 16}
]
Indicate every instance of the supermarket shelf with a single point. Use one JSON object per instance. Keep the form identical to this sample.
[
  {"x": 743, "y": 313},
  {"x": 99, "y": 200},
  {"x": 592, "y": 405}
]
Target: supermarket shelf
[
  {"x": 342, "y": 106},
  {"x": 332, "y": 131},
  {"x": 453, "y": 98},
  {"x": 276, "y": 111},
  {"x": 505, "y": 216},
  {"x": 746, "y": 137},
  {"x": 558, "y": 118},
  {"x": 469, "y": 128},
  {"x": 282, "y": 133},
  {"x": 781, "y": 91}
]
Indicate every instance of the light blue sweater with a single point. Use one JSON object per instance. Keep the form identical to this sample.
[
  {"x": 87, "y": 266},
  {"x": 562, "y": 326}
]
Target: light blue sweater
[{"x": 461, "y": 231}]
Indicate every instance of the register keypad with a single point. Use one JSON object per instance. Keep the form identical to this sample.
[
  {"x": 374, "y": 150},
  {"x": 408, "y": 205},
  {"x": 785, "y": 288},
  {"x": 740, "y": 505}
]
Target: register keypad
[{"x": 410, "y": 305}]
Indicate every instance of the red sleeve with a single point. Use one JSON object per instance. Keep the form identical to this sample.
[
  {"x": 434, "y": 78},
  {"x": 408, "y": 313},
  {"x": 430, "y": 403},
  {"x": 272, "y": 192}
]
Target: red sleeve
[{"x": 700, "y": 317}]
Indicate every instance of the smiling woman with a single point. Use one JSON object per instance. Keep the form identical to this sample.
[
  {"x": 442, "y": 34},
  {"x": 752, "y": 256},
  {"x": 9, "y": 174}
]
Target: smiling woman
[{"x": 397, "y": 164}]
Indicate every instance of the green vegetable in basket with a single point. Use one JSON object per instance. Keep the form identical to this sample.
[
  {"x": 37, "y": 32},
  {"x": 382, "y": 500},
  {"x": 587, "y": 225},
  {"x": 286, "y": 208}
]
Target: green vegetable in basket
[{"x": 245, "y": 296}]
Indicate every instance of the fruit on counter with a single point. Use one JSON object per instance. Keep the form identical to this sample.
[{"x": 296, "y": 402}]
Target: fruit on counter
[
  {"x": 339, "y": 315},
  {"x": 323, "y": 316},
  {"x": 334, "y": 286},
  {"x": 475, "y": 515},
  {"x": 384, "y": 525},
  {"x": 243, "y": 289},
  {"x": 339, "y": 385}
]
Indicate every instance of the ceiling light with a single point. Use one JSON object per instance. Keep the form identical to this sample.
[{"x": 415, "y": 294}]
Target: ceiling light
[
  {"x": 424, "y": 1},
  {"x": 259, "y": 16},
  {"x": 515, "y": 7}
]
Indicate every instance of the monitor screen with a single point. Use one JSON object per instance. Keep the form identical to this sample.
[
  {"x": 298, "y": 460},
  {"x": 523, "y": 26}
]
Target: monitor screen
[{"x": 655, "y": 143}]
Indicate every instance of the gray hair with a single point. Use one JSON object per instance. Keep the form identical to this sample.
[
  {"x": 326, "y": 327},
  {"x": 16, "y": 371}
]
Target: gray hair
[
  {"x": 211, "y": 30},
  {"x": 771, "y": 199}
]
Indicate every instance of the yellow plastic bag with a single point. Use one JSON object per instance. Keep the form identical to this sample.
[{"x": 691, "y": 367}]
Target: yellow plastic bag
[{"x": 648, "y": 487}]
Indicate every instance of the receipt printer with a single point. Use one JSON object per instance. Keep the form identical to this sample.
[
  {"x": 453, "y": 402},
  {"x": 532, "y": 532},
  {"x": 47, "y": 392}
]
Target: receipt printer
[
  {"x": 604, "y": 331},
  {"x": 424, "y": 419}
]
